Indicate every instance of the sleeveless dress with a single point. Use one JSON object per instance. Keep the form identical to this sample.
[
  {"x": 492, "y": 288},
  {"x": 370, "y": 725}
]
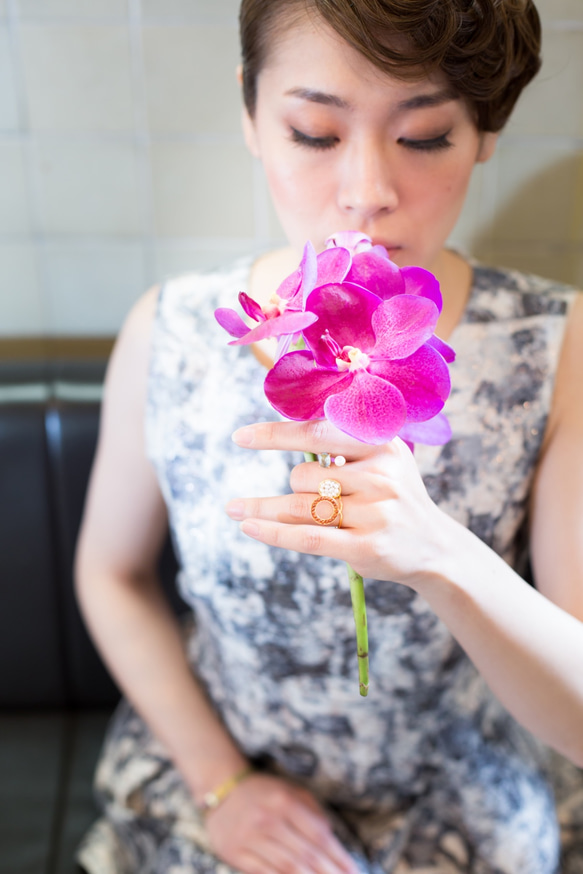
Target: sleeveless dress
[{"x": 427, "y": 774}]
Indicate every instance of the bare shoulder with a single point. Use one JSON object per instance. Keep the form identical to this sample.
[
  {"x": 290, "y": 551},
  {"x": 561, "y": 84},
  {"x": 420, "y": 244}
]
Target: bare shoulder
[
  {"x": 126, "y": 379},
  {"x": 557, "y": 495},
  {"x": 567, "y": 405},
  {"x": 132, "y": 346},
  {"x": 124, "y": 521}
]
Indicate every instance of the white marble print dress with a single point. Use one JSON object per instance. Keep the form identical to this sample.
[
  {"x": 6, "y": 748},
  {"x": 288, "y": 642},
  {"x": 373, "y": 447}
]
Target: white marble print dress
[{"x": 429, "y": 773}]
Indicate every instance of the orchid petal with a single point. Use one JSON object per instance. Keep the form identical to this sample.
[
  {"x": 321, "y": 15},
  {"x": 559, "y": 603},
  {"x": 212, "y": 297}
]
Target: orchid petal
[
  {"x": 231, "y": 321},
  {"x": 402, "y": 324},
  {"x": 354, "y": 241},
  {"x": 288, "y": 323},
  {"x": 446, "y": 352},
  {"x": 377, "y": 274},
  {"x": 290, "y": 286},
  {"x": 370, "y": 409},
  {"x": 333, "y": 265},
  {"x": 381, "y": 252},
  {"x": 309, "y": 271},
  {"x": 346, "y": 312},
  {"x": 297, "y": 389},
  {"x": 422, "y": 282},
  {"x": 434, "y": 432},
  {"x": 423, "y": 379},
  {"x": 284, "y": 342},
  {"x": 251, "y": 307}
]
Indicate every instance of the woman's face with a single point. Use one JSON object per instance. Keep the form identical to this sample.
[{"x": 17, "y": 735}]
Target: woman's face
[{"x": 346, "y": 147}]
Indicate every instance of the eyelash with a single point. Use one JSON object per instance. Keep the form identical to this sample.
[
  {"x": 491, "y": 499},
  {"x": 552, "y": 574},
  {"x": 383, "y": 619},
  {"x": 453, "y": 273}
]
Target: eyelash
[
  {"x": 432, "y": 145},
  {"x": 324, "y": 143},
  {"x": 320, "y": 143}
]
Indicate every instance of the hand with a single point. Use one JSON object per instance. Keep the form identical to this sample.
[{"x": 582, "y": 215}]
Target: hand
[
  {"x": 391, "y": 529},
  {"x": 268, "y": 825}
]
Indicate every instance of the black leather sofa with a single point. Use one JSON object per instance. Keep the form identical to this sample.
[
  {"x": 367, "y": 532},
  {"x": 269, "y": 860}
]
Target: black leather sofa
[{"x": 55, "y": 694}]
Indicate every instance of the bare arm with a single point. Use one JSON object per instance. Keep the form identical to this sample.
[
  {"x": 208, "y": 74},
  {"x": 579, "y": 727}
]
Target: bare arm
[
  {"x": 266, "y": 824},
  {"x": 123, "y": 529},
  {"x": 529, "y": 644},
  {"x": 529, "y": 649}
]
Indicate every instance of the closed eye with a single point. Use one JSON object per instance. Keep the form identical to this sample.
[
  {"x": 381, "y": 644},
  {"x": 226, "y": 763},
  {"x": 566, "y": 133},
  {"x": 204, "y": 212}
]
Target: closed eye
[
  {"x": 313, "y": 142},
  {"x": 431, "y": 145}
]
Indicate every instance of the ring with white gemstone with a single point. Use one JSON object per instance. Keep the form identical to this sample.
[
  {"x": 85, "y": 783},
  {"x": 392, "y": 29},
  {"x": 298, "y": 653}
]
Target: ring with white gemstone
[
  {"x": 329, "y": 488},
  {"x": 329, "y": 492},
  {"x": 325, "y": 459}
]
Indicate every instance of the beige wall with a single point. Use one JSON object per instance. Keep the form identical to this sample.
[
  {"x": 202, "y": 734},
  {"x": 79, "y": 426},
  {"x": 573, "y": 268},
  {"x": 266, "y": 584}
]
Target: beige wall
[{"x": 121, "y": 159}]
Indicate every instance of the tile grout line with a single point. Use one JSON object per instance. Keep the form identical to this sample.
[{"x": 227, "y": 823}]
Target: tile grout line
[
  {"x": 142, "y": 141},
  {"x": 86, "y": 241},
  {"x": 95, "y": 136},
  {"x": 229, "y": 21},
  {"x": 28, "y": 143}
]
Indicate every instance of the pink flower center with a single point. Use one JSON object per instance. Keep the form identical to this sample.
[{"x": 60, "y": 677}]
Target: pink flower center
[
  {"x": 276, "y": 306},
  {"x": 351, "y": 358}
]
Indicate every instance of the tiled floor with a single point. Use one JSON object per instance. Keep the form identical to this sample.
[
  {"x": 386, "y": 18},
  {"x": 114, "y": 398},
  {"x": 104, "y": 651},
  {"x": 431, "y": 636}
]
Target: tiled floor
[{"x": 46, "y": 770}]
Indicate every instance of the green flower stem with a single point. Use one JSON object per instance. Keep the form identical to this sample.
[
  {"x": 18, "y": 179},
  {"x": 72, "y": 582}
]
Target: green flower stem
[{"x": 359, "y": 611}]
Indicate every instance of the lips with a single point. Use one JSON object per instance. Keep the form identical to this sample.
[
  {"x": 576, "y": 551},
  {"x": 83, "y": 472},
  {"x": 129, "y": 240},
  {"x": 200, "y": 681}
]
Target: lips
[{"x": 390, "y": 247}]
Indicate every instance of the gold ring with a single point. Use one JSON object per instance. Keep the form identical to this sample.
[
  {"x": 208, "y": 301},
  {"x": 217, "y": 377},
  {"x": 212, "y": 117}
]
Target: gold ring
[
  {"x": 329, "y": 491},
  {"x": 336, "y": 510}
]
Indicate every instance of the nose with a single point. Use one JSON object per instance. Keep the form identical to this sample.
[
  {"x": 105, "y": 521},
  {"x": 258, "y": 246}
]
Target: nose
[{"x": 367, "y": 187}]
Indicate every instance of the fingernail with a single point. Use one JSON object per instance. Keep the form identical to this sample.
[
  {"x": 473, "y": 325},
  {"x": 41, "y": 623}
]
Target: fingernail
[
  {"x": 250, "y": 528},
  {"x": 235, "y": 509},
  {"x": 243, "y": 436}
]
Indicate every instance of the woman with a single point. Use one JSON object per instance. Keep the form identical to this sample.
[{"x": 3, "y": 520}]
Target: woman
[{"x": 367, "y": 116}]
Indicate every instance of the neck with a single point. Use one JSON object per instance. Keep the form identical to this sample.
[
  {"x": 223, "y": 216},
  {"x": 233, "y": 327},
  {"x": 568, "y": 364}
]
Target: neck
[{"x": 454, "y": 275}]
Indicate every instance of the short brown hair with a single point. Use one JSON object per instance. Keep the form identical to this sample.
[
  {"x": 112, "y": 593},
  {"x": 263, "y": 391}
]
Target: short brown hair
[{"x": 488, "y": 49}]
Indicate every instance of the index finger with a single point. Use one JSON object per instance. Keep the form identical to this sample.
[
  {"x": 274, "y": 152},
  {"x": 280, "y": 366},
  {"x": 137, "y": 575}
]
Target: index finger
[
  {"x": 318, "y": 830},
  {"x": 317, "y": 435}
]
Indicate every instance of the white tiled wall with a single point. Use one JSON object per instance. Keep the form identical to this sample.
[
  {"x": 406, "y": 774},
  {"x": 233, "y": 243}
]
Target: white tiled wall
[{"x": 122, "y": 161}]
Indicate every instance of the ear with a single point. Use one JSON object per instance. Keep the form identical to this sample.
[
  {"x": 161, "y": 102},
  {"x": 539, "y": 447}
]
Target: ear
[
  {"x": 487, "y": 147},
  {"x": 247, "y": 123},
  {"x": 250, "y": 133}
]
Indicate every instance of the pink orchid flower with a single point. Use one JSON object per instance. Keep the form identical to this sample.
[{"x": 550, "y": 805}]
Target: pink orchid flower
[
  {"x": 285, "y": 315},
  {"x": 372, "y": 269},
  {"x": 370, "y": 368}
]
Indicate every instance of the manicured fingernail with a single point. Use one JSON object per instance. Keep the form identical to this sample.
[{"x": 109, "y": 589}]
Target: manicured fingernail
[
  {"x": 235, "y": 509},
  {"x": 250, "y": 528},
  {"x": 243, "y": 436}
]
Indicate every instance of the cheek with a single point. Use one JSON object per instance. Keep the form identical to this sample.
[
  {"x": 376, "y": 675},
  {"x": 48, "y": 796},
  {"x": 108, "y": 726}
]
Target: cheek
[
  {"x": 445, "y": 192},
  {"x": 279, "y": 182},
  {"x": 296, "y": 188}
]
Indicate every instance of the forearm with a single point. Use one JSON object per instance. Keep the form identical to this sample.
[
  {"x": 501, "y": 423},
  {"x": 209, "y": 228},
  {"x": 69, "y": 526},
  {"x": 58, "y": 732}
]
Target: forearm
[
  {"x": 528, "y": 650},
  {"x": 140, "y": 641}
]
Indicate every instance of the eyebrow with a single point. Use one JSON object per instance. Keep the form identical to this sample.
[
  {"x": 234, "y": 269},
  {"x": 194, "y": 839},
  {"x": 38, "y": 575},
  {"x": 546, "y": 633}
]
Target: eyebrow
[
  {"x": 318, "y": 97},
  {"x": 420, "y": 101}
]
